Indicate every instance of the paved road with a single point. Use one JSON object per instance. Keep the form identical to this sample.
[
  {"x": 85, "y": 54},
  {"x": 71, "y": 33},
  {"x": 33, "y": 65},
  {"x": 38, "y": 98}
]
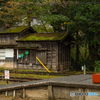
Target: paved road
[{"x": 82, "y": 79}]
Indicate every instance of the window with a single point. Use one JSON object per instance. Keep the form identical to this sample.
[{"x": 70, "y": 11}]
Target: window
[{"x": 42, "y": 57}]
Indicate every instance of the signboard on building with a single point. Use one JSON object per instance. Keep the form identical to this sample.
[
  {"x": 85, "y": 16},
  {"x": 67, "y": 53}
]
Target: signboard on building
[{"x": 7, "y": 74}]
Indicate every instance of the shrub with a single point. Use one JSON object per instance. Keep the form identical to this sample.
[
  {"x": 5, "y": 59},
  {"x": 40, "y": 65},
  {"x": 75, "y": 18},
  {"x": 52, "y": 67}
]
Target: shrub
[
  {"x": 71, "y": 68},
  {"x": 97, "y": 66}
]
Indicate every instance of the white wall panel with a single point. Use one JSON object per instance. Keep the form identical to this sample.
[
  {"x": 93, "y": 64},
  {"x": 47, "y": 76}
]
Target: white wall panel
[
  {"x": 2, "y": 54},
  {"x": 9, "y": 53},
  {"x": 2, "y": 58},
  {"x": 2, "y": 50}
]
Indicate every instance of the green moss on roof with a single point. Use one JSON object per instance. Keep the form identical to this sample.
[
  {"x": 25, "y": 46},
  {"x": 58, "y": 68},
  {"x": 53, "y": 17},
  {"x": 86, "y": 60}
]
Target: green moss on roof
[
  {"x": 14, "y": 29},
  {"x": 43, "y": 36}
]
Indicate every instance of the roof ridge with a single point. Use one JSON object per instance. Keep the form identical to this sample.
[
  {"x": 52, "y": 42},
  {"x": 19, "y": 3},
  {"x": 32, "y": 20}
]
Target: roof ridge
[
  {"x": 55, "y": 32},
  {"x": 14, "y": 29},
  {"x": 43, "y": 36}
]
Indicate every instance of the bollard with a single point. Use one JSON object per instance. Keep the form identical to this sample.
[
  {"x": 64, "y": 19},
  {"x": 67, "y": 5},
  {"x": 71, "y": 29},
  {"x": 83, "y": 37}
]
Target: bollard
[{"x": 84, "y": 69}]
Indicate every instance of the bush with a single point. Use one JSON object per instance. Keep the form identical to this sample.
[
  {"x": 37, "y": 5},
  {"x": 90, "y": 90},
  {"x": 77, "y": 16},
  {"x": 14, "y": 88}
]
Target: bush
[
  {"x": 71, "y": 68},
  {"x": 97, "y": 66},
  {"x": 2, "y": 69}
]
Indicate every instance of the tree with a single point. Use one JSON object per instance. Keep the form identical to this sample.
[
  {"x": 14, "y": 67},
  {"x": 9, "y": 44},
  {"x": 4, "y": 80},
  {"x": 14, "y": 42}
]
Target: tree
[
  {"x": 88, "y": 19},
  {"x": 3, "y": 2},
  {"x": 15, "y": 10},
  {"x": 82, "y": 18}
]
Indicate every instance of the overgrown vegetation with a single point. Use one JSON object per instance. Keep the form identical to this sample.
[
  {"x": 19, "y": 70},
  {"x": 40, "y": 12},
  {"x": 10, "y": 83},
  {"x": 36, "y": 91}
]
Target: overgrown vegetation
[
  {"x": 97, "y": 66},
  {"x": 14, "y": 29},
  {"x": 43, "y": 36}
]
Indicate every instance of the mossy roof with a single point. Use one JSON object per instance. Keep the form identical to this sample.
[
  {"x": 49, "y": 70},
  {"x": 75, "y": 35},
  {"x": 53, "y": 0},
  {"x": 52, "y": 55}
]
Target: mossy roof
[
  {"x": 17, "y": 29},
  {"x": 43, "y": 37}
]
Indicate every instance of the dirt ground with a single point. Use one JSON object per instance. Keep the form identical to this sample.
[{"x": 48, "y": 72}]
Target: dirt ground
[
  {"x": 6, "y": 65},
  {"x": 3, "y": 82},
  {"x": 12, "y": 98}
]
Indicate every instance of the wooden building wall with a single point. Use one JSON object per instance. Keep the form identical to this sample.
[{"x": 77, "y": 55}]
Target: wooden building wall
[
  {"x": 8, "y": 39},
  {"x": 64, "y": 56},
  {"x": 47, "y": 53},
  {"x": 7, "y": 42}
]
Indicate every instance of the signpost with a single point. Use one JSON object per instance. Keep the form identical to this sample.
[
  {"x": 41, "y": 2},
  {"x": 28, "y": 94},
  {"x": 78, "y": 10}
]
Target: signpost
[
  {"x": 84, "y": 69},
  {"x": 7, "y": 75}
]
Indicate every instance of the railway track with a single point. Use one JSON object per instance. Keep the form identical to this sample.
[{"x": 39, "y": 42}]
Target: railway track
[
  {"x": 41, "y": 73},
  {"x": 19, "y": 79}
]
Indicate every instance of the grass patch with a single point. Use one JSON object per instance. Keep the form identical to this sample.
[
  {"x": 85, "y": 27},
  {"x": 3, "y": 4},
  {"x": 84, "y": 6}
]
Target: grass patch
[
  {"x": 33, "y": 76},
  {"x": 42, "y": 76}
]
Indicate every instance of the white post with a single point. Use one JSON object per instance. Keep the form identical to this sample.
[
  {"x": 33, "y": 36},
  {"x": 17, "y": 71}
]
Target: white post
[
  {"x": 17, "y": 53},
  {"x": 84, "y": 69},
  {"x": 6, "y": 93},
  {"x": 24, "y": 94},
  {"x": 14, "y": 93}
]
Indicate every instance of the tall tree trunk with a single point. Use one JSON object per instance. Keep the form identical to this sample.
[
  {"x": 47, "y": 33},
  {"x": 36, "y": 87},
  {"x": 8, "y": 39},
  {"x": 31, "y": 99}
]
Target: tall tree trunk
[
  {"x": 85, "y": 50},
  {"x": 93, "y": 56},
  {"x": 29, "y": 23},
  {"x": 96, "y": 50},
  {"x": 77, "y": 53}
]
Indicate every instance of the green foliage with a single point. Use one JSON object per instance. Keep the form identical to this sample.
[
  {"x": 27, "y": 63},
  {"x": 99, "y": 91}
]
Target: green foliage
[
  {"x": 2, "y": 69},
  {"x": 83, "y": 55},
  {"x": 56, "y": 21},
  {"x": 3, "y": 2},
  {"x": 97, "y": 66},
  {"x": 16, "y": 10},
  {"x": 71, "y": 68},
  {"x": 41, "y": 28},
  {"x": 50, "y": 68},
  {"x": 87, "y": 63}
]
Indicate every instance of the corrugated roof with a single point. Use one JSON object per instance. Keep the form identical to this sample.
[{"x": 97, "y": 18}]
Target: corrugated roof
[
  {"x": 17, "y": 29},
  {"x": 43, "y": 36}
]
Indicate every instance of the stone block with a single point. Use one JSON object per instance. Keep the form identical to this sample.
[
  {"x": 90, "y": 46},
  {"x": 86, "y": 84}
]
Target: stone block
[
  {"x": 59, "y": 92},
  {"x": 37, "y": 93},
  {"x": 10, "y": 93}
]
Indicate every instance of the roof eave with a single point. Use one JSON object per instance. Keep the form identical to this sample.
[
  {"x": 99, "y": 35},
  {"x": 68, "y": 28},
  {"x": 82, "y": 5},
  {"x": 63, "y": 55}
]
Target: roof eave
[
  {"x": 66, "y": 36},
  {"x": 10, "y": 33},
  {"x": 29, "y": 27}
]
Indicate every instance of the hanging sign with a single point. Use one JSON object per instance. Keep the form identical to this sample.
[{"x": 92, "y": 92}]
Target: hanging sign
[
  {"x": 6, "y": 74},
  {"x": 82, "y": 67},
  {"x": 26, "y": 52},
  {"x": 22, "y": 55},
  {"x": 19, "y": 56}
]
